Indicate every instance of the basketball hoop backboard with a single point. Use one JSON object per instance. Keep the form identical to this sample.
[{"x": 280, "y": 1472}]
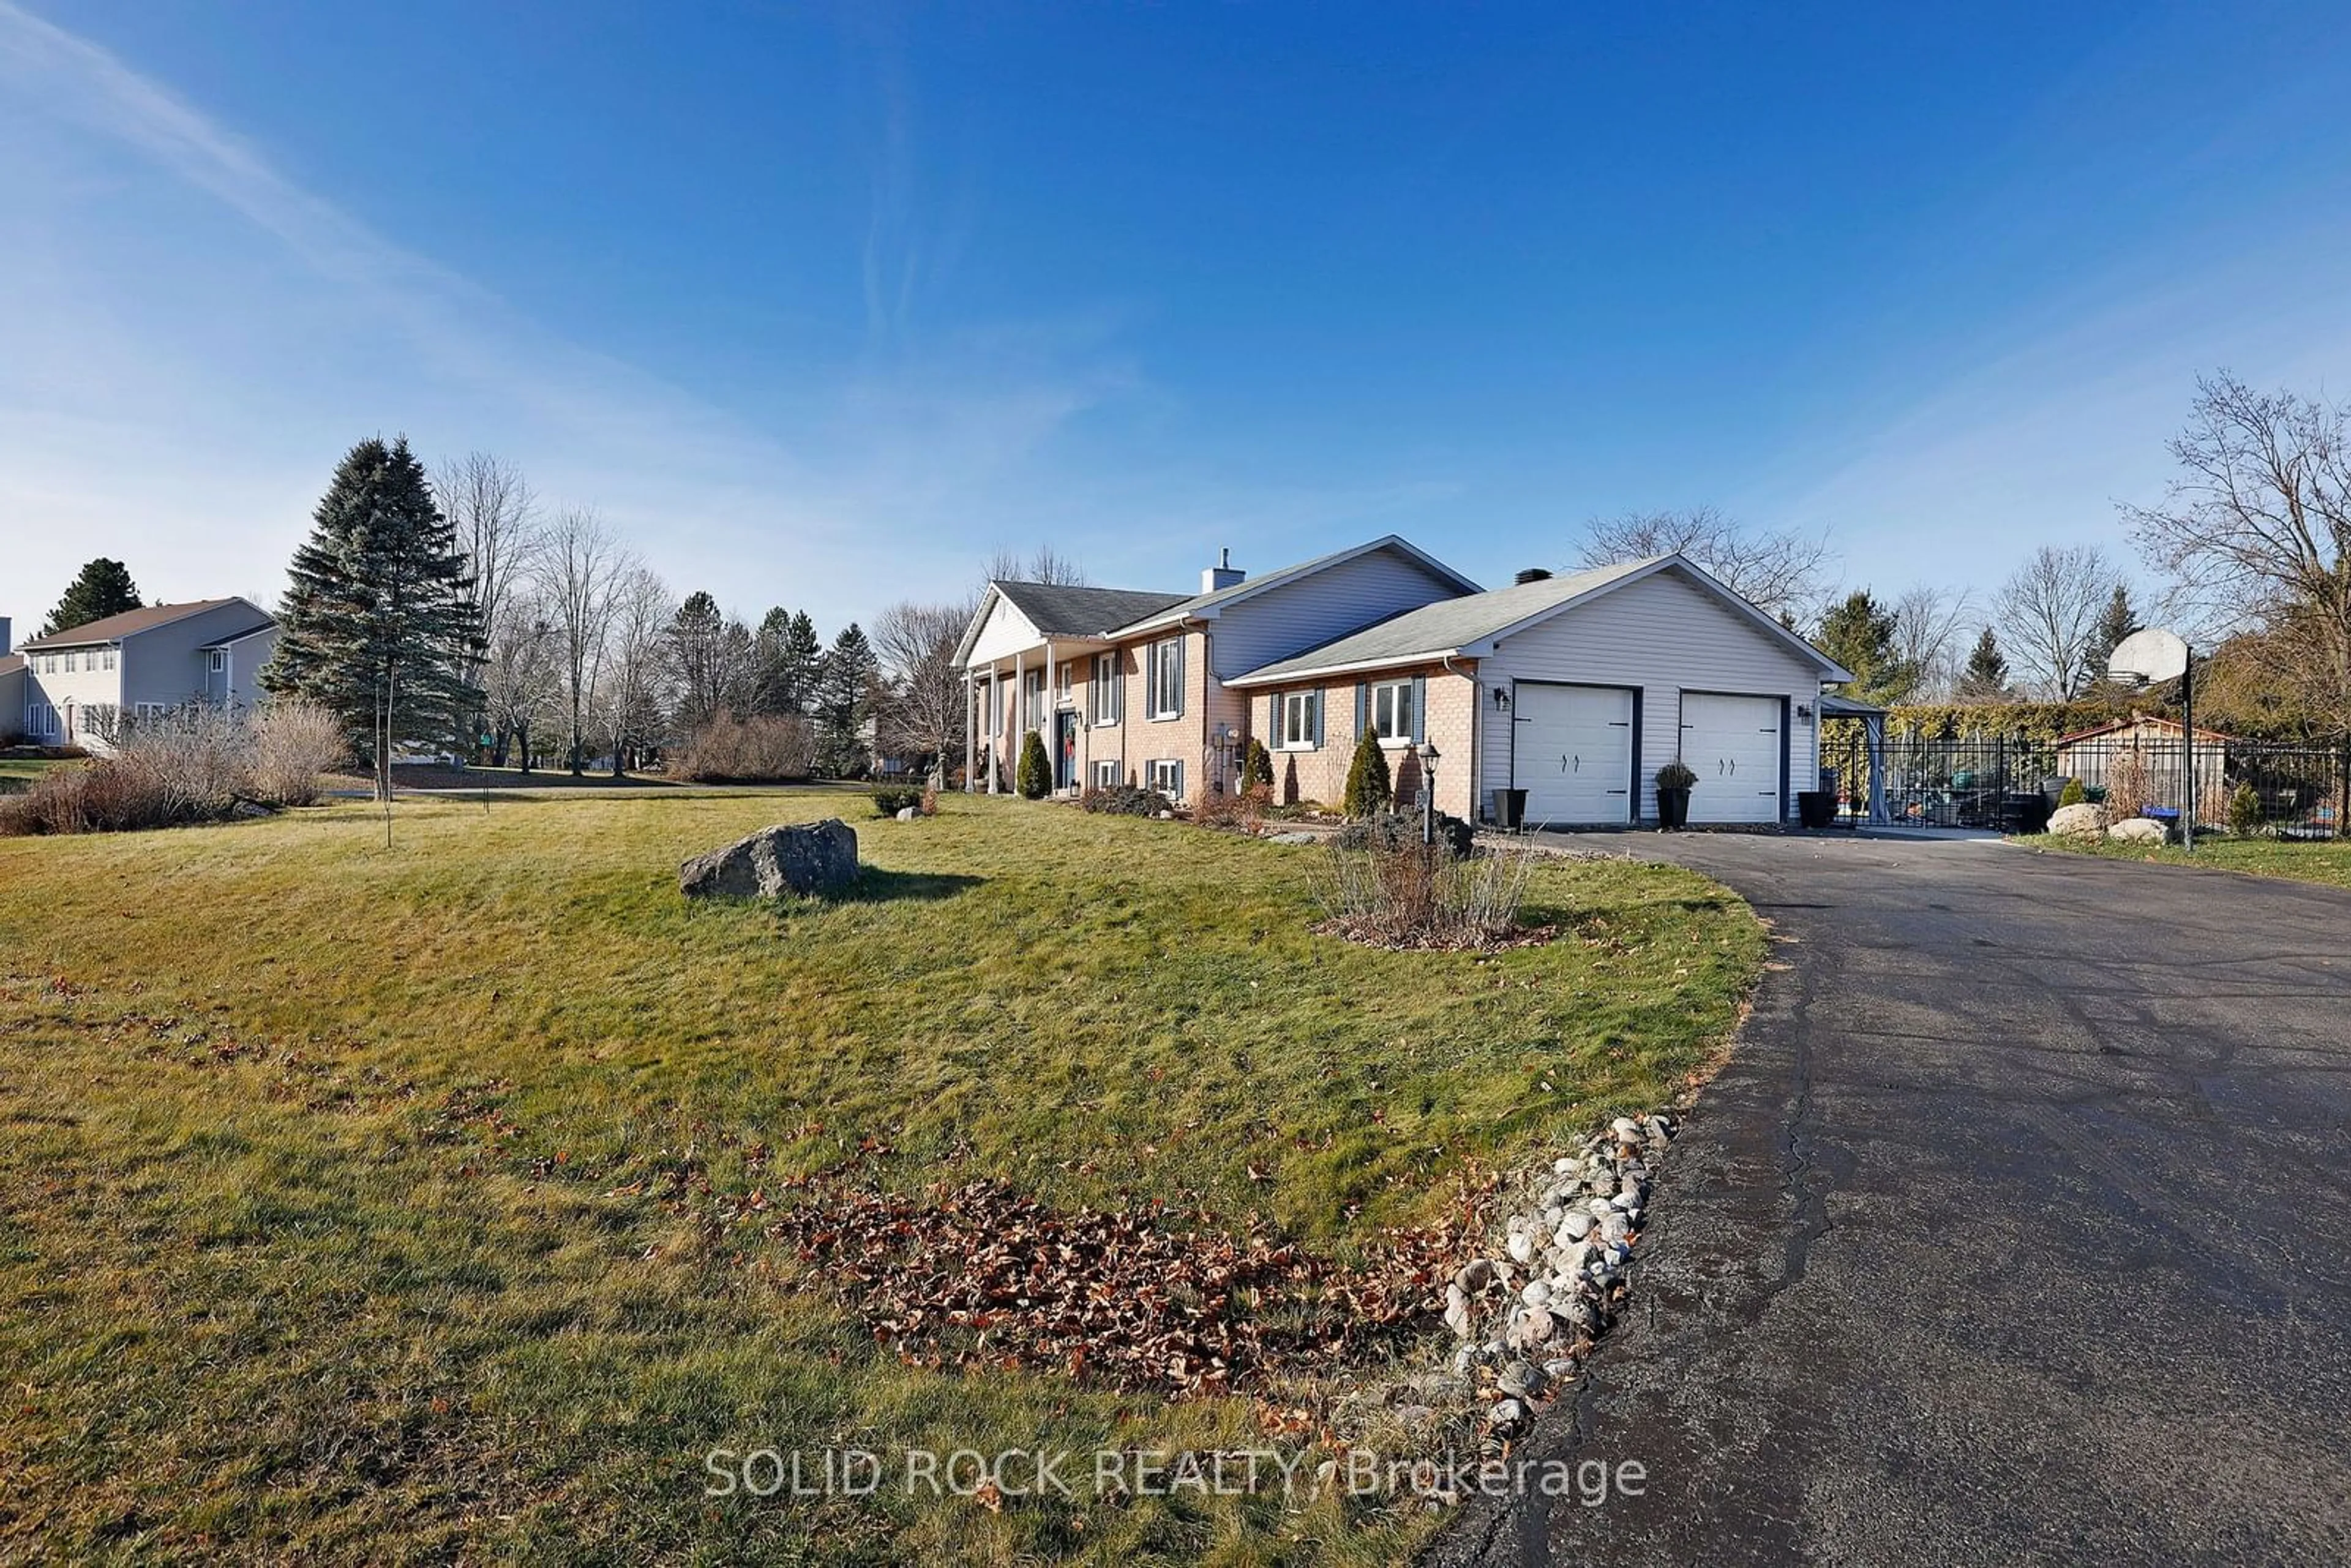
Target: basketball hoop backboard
[{"x": 2148, "y": 658}]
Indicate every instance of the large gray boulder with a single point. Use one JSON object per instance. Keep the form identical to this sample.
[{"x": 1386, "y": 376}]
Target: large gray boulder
[
  {"x": 2083, "y": 822},
  {"x": 800, "y": 857}
]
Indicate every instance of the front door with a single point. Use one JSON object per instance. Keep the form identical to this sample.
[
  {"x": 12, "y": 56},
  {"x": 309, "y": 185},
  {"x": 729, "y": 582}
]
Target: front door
[{"x": 1065, "y": 751}]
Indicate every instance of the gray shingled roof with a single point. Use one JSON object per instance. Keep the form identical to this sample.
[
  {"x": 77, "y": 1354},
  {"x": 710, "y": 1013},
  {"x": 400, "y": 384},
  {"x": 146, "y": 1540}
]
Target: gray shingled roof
[
  {"x": 1448, "y": 625},
  {"x": 114, "y": 627},
  {"x": 1199, "y": 601},
  {"x": 1057, "y": 610}
]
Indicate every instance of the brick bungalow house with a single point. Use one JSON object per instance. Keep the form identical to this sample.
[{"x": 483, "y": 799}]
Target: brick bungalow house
[{"x": 1575, "y": 689}]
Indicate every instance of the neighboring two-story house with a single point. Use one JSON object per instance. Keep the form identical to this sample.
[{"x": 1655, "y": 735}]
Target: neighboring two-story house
[
  {"x": 77, "y": 684},
  {"x": 1573, "y": 689}
]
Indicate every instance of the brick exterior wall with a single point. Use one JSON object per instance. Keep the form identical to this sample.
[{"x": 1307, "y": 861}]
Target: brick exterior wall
[{"x": 1320, "y": 774}]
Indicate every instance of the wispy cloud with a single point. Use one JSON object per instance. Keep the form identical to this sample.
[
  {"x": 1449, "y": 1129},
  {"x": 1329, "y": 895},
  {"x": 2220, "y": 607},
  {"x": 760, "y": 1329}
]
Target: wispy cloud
[{"x": 904, "y": 475}]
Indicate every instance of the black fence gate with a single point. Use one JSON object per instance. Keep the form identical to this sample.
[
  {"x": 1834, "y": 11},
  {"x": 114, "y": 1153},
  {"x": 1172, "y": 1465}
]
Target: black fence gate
[{"x": 2011, "y": 784}]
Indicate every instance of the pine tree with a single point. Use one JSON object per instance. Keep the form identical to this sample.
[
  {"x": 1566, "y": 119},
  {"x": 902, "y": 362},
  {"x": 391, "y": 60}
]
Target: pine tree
[
  {"x": 803, "y": 657},
  {"x": 378, "y": 624},
  {"x": 1370, "y": 791},
  {"x": 697, "y": 659},
  {"x": 845, "y": 685},
  {"x": 102, "y": 589},
  {"x": 1859, "y": 633},
  {"x": 1985, "y": 677}
]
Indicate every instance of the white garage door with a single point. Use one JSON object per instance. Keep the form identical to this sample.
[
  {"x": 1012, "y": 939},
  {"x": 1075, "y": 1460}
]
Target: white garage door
[
  {"x": 1732, "y": 744},
  {"x": 1572, "y": 752}
]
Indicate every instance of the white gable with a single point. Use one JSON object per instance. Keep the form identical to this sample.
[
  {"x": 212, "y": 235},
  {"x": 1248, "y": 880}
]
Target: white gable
[{"x": 1003, "y": 632}]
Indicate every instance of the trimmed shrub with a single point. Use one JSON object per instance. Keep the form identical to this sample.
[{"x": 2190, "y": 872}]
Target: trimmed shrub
[
  {"x": 1422, "y": 896},
  {"x": 1393, "y": 830},
  {"x": 1369, "y": 790},
  {"x": 2073, "y": 794},
  {"x": 1034, "y": 777},
  {"x": 1676, "y": 775},
  {"x": 1257, "y": 769},
  {"x": 1244, "y": 811},
  {"x": 2245, "y": 811},
  {"x": 765, "y": 749},
  {"x": 889, "y": 799},
  {"x": 1126, "y": 801}
]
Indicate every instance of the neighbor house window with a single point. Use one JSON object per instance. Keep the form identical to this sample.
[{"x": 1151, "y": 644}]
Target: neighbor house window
[
  {"x": 219, "y": 661},
  {"x": 1106, "y": 775},
  {"x": 1167, "y": 678},
  {"x": 107, "y": 655},
  {"x": 1165, "y": 775},
  {"x": 1107, "y": 688},
  {"x": 1300, "y": 712},
  {"x": 1392, "y": 710}
]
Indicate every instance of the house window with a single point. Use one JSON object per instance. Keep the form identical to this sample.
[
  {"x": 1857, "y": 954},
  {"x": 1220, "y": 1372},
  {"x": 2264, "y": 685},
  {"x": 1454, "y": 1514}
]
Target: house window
[
  {"x": 1300, "y": 712},
  {"x": 106, "y": 655},
  {"x": 1166, "y": 776},
  {"x": 218, "y": 661},
  {"x": 1107, "y": 688},
  {"x": 1167, "y": 678},
  {"x": 1106, "y": 775},
  {"x": 1062, "y": 678},
  {"x": 1033, "y": 705},
  {"x": 40, "y": 719},
  {"x": 1392, "y": 711}
]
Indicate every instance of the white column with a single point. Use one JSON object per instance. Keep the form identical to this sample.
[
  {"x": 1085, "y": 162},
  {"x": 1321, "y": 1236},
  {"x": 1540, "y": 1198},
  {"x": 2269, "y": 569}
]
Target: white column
[{"x": 970, "y": 729}]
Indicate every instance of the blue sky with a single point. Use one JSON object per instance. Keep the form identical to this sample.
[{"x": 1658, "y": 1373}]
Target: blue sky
[{"x": 817, "y": 305}]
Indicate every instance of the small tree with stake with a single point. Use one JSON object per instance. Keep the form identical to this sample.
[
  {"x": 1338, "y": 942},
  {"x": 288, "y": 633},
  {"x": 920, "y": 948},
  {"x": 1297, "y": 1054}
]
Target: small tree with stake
[
  {"x": 1257, "y": 767},
  {"x": 1369, "y": 790}
]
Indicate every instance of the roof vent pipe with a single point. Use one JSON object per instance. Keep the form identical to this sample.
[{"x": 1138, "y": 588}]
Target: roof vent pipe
[{"x": 1531, "y": 574}]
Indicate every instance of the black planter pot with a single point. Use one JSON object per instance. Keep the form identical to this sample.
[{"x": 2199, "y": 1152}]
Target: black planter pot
[
  {"x": 1672, "y": 808},
  {"x": 1815, "y": 808}
]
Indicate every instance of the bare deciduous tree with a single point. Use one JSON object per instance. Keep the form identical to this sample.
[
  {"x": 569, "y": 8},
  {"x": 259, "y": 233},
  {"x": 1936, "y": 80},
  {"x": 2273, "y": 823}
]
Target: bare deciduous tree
[
  {"x": 1929, "y": 623},
  {"x": 1783, "y": 572},
  {"x": 2255, "y": 533},
  {"x": 642, "y": 609},
  {"x": 2048, "y": 617},
  {"x": 579, "y": 569},
  {"x": 1047, "y": 565},
  {"x": 520, "y": 681},
  {"x": 489, "y": 504},
  {"x": 921, "y": 700}
]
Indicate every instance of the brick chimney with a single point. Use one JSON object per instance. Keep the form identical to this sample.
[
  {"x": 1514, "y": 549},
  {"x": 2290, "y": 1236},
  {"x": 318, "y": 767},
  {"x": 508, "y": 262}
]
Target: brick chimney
[{"x": 1224, "y": 574}]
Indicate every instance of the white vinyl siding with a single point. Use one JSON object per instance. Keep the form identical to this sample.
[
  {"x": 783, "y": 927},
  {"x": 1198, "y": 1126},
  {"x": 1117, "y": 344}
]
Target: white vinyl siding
[
  {"x": 1662, "y": 636},
  {"x": 1291, "y": 617},
  {"x": 1164, "y": 664}
]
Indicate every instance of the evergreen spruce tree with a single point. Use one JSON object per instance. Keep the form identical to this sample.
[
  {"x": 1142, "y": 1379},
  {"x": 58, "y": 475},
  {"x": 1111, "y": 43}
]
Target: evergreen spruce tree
[
  {"x": 1370, "y": 791},
  {"x": 803, "y": 658},
  {"x": 103, "y": 588},
  {"x": 379, "y": 624},
  {"x": 1858, "y": 633},
  {"x": 1985, "y": 677},
  {"x": 845, "y": 685}
]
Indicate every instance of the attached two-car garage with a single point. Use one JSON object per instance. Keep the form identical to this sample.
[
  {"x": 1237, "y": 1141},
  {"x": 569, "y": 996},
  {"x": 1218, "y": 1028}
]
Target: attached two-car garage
[{"x": 1575, "y": 750}]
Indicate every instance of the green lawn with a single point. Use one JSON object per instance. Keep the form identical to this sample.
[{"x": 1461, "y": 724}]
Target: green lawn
[
  {"x": 360, "y": 1204},
  {"x": 26, "y": 768},
  {"x": 2328, "y": 863}
]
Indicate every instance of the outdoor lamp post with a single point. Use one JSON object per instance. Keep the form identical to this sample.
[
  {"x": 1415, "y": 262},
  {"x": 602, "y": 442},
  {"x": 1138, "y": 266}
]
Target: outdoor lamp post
[{"x": 1427, "y": 755}]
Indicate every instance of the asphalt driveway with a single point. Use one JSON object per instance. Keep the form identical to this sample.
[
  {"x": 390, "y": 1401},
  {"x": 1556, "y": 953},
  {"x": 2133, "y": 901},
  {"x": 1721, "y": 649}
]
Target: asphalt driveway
[{"x": 2019, "y": 1230}]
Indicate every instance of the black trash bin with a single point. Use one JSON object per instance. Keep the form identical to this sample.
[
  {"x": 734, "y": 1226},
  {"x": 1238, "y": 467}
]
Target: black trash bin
[
  {"x": 1816, "y": 808},
  {"x": 1509, "y": 808}
]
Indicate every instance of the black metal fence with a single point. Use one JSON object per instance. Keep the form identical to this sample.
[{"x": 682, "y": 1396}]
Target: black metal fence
[{"x": 2271, "y": 789}]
